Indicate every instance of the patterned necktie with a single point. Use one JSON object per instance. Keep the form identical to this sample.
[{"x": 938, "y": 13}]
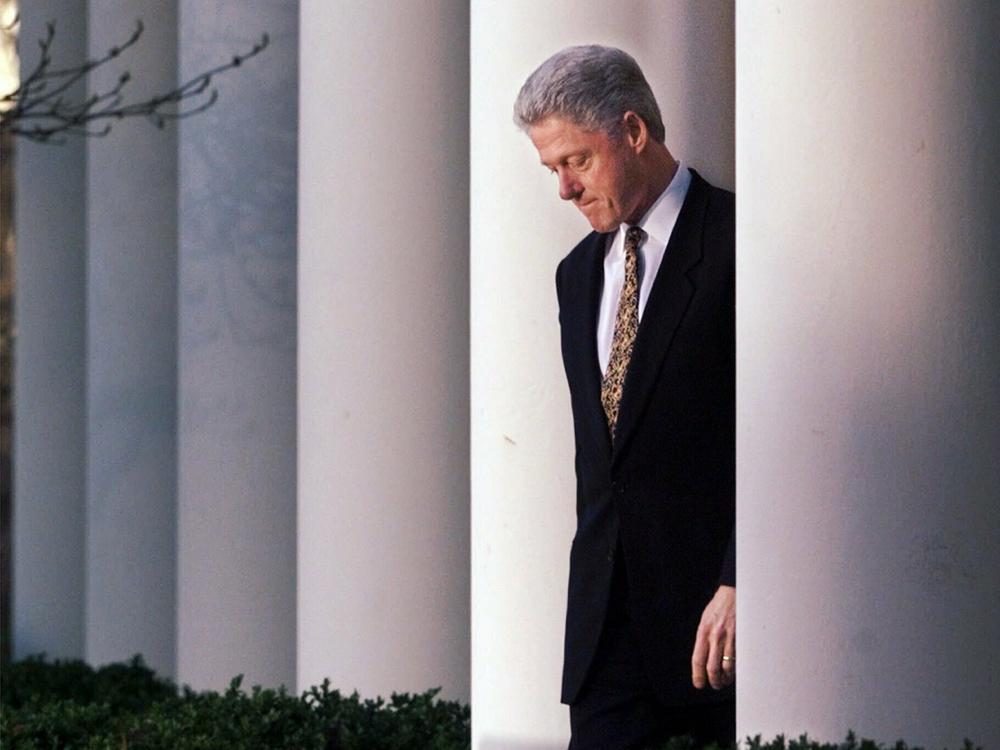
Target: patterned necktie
[{"x": 626, "y": 326}]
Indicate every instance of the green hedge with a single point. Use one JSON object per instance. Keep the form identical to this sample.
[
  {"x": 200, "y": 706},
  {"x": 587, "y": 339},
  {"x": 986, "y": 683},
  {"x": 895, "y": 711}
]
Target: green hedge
[
  {"x": 68, "y": 704},
  {"x": 801, "y": 743}
]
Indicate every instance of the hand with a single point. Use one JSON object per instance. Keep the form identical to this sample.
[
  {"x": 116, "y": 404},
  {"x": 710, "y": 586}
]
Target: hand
[{"x": 716, "y": 638}]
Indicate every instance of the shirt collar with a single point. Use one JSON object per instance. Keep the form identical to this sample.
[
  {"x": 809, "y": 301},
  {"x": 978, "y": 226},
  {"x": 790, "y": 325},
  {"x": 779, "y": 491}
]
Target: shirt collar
[{"x": 658, "y": 222}]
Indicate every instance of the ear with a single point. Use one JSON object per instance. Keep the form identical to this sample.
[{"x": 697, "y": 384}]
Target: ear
[{"x": 635, "y": 131}]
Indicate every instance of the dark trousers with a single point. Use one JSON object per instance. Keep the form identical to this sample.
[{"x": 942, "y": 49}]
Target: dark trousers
[{"x": 617, "y": 709}]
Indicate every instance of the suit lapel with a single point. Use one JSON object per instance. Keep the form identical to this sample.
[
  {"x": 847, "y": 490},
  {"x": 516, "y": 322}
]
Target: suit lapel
[
  {"x": 586, "y": 303},
  {"x": 668, "y": 300}
]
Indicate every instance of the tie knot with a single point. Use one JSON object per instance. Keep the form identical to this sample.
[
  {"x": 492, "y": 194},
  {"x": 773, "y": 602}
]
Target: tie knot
[{"x": 633, "y": 237}]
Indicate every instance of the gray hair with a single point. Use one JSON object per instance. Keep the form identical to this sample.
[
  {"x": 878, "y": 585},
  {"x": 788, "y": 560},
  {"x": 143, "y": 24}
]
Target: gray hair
[{"x": 592, "y": 87}]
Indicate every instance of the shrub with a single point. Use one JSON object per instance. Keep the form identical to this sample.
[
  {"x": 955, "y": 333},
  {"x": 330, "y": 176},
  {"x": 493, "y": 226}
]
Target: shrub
[
  {"x": 126, "y": 707},
  {"x": 124, "y": 686},
  {"x": 802, "y": 743}
]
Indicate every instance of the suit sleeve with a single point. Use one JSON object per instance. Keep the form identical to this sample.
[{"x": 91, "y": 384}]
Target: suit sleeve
[
  {"x": 728, "y": 575},
  {"x": 559, "y": 271}
]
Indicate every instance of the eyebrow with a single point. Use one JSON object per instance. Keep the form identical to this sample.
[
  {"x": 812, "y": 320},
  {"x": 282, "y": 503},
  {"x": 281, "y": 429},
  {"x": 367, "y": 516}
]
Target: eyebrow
[{"x": 565, "y": 159}]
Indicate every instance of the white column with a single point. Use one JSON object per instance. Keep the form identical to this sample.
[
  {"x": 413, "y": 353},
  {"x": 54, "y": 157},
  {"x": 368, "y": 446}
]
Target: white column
[
  {"x": 49, "y": 373},
  {"x": 869, "y": 343},
  {"x": 522, "y": 446},
  {"x": 236, "y": 349},
  {"x": 131, "y": 351},
  {"x": 103, "y": 378},
  {"x": 383, "y": 505}
]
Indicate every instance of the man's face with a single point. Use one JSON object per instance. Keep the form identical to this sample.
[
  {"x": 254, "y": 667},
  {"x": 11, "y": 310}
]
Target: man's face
[{"x": 595, "y": 171}]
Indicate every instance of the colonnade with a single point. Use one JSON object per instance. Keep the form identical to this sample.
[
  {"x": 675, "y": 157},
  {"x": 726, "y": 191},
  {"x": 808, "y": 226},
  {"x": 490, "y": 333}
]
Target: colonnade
[
  {"x": 329, "y": 435},
  {"x": 155, "y": 375}
]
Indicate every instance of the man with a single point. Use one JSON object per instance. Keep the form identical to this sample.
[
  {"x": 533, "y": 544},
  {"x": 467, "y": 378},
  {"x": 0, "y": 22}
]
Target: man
[{"x": 647, "y": 314}]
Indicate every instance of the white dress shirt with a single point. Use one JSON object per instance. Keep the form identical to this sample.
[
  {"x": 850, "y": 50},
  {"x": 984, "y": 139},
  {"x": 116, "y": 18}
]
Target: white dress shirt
[{"x": 658, "y": 223}]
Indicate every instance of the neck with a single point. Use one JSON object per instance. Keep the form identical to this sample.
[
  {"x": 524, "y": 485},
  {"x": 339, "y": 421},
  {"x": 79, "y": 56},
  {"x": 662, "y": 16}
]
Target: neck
[{"x": 659, "y": 171}]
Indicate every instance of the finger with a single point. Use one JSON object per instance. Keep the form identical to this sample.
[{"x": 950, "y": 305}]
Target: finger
[
  {"x": 729, "y": 666},
  {"x": 698, "y": 658},
  {"x": 714, "y": 667}
]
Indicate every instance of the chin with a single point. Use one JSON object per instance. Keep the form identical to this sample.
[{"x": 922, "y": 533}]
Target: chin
[
  {"x": 600, "y": 221},
  {"x": 604, "y": 226}
]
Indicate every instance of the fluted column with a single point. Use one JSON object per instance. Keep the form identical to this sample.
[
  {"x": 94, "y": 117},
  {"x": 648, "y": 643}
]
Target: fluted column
[
  {"x": 49, "y": 375},
  {"x": 383, "y": 503},
  {"x": 155, "y": 474},
  {"x": 869, "y": 341},
  {"x": 236, "y": 349},
  {"x": 131, "y": 351},
  {"x": 522, "y": 444}
]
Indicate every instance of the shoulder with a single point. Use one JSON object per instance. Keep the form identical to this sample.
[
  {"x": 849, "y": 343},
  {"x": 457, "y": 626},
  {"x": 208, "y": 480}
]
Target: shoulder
[
  {"x": 720, "y": 204},
  {"x": 584, "y": 249},
  {"x": 718, "y": 230},
  {"x": 719, "y": 214},
  {"x": 573, "y": 265}
]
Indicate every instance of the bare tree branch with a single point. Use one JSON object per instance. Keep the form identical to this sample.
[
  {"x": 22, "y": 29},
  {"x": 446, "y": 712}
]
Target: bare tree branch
[{"x": 39, "y": 111}]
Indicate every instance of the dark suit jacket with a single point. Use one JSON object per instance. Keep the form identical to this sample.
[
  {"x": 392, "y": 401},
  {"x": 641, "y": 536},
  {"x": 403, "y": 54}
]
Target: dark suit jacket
[{"x": 666, "y": 488}]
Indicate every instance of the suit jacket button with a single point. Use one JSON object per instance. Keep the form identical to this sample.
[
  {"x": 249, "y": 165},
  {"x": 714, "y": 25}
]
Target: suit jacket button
[{"x": 611, "y": 554}]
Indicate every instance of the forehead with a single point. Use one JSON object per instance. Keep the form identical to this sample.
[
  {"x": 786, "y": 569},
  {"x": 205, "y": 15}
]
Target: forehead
[{"x": 557, "y": 138}]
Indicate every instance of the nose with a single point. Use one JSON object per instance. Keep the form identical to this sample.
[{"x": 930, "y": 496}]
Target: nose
[{"x": 569, "y": 188}]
